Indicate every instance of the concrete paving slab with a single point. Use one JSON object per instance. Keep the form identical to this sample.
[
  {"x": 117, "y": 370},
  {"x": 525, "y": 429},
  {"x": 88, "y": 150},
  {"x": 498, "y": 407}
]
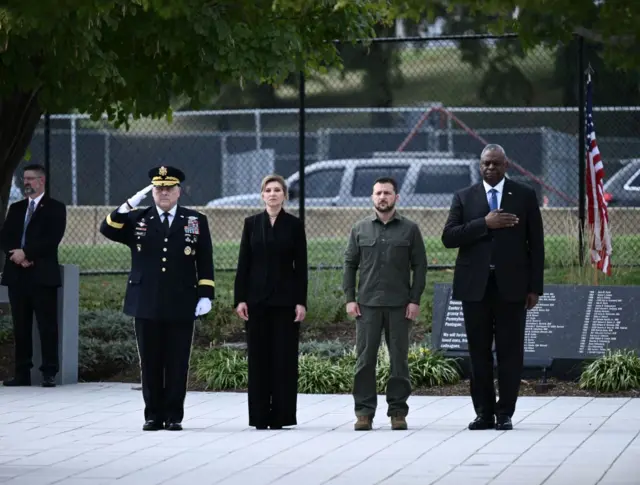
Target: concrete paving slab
[{"x": 90, "y": 434}]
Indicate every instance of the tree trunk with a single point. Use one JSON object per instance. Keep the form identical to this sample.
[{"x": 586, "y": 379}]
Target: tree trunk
[
  {"x": 379, "y": 66},
  {"x": 19, "y": 116}
]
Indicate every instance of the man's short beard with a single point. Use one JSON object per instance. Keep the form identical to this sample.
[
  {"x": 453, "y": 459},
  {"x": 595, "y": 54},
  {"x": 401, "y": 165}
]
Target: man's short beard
[{"x": 388, "y": 208}]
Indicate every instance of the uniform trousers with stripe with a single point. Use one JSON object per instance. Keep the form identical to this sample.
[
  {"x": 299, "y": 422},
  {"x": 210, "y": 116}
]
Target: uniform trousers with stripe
[{"x": 165, "y": 351}]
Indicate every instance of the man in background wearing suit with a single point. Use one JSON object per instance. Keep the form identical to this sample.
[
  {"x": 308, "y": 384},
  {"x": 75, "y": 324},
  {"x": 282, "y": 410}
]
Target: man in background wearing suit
[
  {"x": 499, "y": 272},
  {"x": 30, "y": 238}
]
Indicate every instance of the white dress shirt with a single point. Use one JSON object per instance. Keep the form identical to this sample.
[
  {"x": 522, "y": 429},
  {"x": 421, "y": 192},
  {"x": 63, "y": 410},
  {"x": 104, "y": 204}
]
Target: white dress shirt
[
  {"x": 499, "y": 187},
  {"x": 172, "y": 213},
  {"x": 37, "y": 201}
]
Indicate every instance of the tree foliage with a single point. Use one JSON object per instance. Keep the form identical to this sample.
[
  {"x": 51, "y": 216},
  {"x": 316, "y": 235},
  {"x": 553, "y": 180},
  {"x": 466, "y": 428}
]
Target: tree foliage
[
  {"x": 128, "y": 58},
  {"x": 123, "y": 57},
  {"x": 613, "y": 23}
]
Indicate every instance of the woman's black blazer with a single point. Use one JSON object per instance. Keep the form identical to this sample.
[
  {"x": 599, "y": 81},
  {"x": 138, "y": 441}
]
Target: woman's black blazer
[{"x": 272, "y": 263}]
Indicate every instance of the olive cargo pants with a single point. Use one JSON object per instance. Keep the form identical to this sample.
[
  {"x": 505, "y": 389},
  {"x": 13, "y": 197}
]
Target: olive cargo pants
[{"x": 369, "y": 327}]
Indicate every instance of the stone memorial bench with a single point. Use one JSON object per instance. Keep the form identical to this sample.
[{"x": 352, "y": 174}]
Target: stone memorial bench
[{"x": 68, "y": 328}]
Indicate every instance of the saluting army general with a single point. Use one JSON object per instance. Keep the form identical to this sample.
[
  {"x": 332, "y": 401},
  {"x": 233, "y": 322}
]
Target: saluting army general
[{"x": 170, "y": 284}]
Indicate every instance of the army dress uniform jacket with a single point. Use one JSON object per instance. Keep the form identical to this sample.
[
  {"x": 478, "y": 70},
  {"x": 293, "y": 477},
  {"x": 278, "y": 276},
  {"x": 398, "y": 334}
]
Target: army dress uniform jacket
[{"x": 169, "y": 272}]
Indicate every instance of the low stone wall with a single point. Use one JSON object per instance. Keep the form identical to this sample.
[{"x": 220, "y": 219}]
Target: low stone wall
[{"x": 83, "y": 222}]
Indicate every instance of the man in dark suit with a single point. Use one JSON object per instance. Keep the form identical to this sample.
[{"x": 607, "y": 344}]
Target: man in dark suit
[
  {"x": 499, "y": 272},
  {"x": 30, "y": 238},
  {"x": 170, "y": 284}
]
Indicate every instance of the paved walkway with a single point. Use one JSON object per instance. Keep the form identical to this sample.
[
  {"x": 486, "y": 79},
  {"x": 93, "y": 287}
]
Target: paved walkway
[{"x": 90, "y": 434}]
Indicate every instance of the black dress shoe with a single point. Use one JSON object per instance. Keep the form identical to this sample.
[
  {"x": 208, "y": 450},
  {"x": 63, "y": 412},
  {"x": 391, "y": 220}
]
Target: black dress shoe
[
  {"x": 48, "y": 381},
  {"x": 262, "y": 426},
  {"x": 503, "y": 423},
  {"x": 275, "y": 426},
  {"x": 481, "y": 423},
  {"x": 173, "y": 426},
  {"x": 152, "y": 425},
  {"x": 17, "y": 381}
]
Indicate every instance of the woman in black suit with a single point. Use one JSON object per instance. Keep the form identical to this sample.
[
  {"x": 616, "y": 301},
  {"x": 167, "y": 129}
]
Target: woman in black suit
[{"x": 271, "y": 296}]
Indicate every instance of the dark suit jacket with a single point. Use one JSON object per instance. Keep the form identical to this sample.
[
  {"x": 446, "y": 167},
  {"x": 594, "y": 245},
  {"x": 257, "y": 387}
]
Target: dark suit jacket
[
  {"x": 519, "y": 251},
  {"x": 272, "y": 264},
  {"x": 168, "y": 273},
  {"x": 44, "y": 233}
]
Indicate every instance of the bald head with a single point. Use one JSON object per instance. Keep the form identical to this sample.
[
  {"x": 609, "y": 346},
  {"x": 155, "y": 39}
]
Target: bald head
[{"x": 493, "y": 164}]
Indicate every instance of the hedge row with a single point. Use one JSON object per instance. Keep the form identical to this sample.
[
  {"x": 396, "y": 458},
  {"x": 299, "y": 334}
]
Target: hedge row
[{"x": 107, "y": 348}]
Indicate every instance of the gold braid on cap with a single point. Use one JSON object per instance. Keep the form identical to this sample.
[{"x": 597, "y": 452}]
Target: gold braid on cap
[{"x": 165, "y": 181}]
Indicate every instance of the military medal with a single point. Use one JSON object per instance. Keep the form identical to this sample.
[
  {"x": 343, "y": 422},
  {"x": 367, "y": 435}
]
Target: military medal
[
  {"x": 187, "y": 250},
  {"x": 192, "y": 226}
]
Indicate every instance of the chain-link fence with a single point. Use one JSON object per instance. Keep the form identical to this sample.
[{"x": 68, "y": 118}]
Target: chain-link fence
[{"x": 418, "y": 110}]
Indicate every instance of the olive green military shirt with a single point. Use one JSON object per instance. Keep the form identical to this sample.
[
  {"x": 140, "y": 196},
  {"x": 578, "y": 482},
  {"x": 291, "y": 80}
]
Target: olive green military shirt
[{"x": 385, "y": 254}]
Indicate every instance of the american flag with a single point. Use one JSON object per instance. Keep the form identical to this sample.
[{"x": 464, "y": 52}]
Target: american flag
[{"x": 596, "y": 205}]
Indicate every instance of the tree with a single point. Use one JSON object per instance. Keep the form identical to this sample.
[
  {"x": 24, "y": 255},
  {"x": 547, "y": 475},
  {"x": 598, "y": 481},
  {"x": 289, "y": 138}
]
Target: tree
[
  {"x": 615, "y": 24},
  {"x": 128, "y": 58}
]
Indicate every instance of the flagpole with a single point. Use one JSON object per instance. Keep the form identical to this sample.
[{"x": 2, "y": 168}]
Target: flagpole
[
  {"x": 601, "y": 248},
  {"x": 582, "y": 173}
]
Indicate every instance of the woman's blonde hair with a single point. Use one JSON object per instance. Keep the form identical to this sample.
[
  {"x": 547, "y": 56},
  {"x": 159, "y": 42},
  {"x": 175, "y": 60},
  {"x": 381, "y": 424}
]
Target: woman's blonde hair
[{"x": 275, "y": 178}]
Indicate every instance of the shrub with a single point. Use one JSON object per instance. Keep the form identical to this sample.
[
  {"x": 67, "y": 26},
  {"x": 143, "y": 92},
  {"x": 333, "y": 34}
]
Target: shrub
[
  {"x": 615, "y": 371},
  {"x": 331, "y": 349},
  {"x": 227, "y": 369},
  {"x": 220, "y": 324},
  {"x": 429, "y": 369},
  {"x": 98, "y": 359},
  {"x": 426, "y": 368},
  {"x": 106, "y": 325},
  {"x": 221, "y": 368},
  {"x": 318, "y": 375},
  {"x": 6, "y": 329},
  {"x": 107, "y": 344}
]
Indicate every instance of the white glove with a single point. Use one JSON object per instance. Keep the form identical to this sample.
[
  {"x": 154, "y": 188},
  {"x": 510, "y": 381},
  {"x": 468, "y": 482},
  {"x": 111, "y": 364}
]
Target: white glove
[
  {"x": 203, "y": 306},
  {"x": 135, "y": 199}
]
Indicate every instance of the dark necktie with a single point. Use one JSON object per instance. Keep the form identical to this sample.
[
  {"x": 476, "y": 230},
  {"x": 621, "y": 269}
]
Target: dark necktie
[
  {"x": 166, "y": 223},
  {"x": 32, "y": 207}
]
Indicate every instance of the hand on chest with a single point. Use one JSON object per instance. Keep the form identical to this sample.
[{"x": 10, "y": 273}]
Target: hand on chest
[{"x": 508, "y": 202}]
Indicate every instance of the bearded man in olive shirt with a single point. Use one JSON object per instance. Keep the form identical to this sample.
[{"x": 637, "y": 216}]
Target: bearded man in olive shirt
[{"x": 385, "y": 247}]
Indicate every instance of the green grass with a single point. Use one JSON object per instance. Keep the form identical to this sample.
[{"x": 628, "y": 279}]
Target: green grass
[
  {"x": 428, "y": 75},
  {"x": 561, "y": 252},
  {"x": 326, "y": 305}
]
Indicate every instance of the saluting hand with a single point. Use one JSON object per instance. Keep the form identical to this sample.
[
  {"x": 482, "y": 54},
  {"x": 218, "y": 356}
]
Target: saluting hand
[{"x": 138, "y": 196}]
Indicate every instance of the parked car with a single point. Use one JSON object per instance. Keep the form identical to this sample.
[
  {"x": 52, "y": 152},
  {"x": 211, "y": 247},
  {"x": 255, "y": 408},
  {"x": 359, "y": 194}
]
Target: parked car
[
  {"x": 623, "y": 188},
  {"x": 423, "y": 182}
]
